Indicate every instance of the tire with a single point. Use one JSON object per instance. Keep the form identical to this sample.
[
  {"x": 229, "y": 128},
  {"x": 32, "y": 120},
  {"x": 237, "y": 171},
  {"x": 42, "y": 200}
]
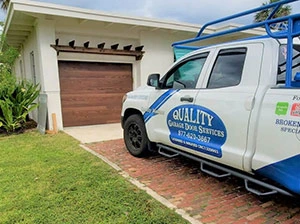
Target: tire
[{"x": 135, "y": 136}]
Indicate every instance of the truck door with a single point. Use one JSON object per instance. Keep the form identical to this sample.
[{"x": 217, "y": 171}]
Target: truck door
[
  {"x": 178, "y": 87},
  {"x": 224, "y": 106}
]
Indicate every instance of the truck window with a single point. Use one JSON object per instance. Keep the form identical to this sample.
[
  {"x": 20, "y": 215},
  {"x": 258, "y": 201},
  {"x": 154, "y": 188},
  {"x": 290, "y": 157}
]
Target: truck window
[
  {"x": 228, "y": 68},
  {"x": 282, "y": 62},
  {"x": 186, "y": 74}
]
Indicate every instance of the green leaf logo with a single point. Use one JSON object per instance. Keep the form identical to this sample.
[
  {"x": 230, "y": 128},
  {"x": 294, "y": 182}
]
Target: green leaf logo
[{"x": 282, "y": 108}]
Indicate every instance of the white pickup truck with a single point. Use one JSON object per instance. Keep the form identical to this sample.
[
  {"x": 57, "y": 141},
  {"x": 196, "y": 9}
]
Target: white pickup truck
[{"x": 234, "y": 107}]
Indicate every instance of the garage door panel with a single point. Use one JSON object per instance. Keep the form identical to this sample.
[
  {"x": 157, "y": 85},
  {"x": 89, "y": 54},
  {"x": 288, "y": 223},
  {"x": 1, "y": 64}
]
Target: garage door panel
[
  {"x": 91, "y": 93},
  {"x": 95, "y": 74},
  {"x": 94, "y": 85},
  {"x": 94, "y": 88},
  {"x": 79, "y": 100},
  {"x": 91, "y": 76},
  {"x": 69, "y": 68},
  {"x": 98, "y": 115}
]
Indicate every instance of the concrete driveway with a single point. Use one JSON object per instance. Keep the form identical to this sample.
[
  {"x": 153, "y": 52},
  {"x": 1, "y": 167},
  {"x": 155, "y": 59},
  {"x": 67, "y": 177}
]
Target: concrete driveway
[{"x": 96, "y": 133}]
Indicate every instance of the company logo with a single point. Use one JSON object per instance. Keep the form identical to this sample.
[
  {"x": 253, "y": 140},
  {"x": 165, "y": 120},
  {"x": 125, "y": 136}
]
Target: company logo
[
  {"x": 282, "y": 108},
  {"x": 197, "y": 128},
  {"x": 295, "y": 111},
  {"x": 152, "y": 111},
  {"x": 297, "y": 98}
]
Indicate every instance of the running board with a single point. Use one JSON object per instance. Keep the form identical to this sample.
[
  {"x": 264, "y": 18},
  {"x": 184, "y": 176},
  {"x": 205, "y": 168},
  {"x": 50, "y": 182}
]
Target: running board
[
  {"x": 213, "y": 173},
  {"x": 271, "y": 189},
  {"x": 167, "y": 153}
]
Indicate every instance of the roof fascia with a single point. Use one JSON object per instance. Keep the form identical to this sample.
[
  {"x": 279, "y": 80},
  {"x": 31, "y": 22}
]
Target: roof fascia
[{"x": 85, "y": 14}]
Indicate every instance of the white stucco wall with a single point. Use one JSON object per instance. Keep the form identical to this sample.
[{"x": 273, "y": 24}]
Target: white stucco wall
[
  {"x": 48, "y": 69},
  {"x": 157, "y": 58},
  {"x": 157, "y": 45},
  {"x": 97, "y": 34},
  {"x": 159, "y": 52},
  {"x": 45, "y": 66},
  {"x": 24, "y": 59},
  {"x": 23, "y": 66}
]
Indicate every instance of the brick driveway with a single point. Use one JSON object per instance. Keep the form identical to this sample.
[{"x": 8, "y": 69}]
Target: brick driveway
[{"x": 205, "y": 198}]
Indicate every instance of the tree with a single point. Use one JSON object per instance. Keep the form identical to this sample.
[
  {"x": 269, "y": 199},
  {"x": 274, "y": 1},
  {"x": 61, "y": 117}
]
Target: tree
[
  {"x": 263, "y": 15},
  {"x": 8, "y": 54},
  {"x": 4, "y": 4}
]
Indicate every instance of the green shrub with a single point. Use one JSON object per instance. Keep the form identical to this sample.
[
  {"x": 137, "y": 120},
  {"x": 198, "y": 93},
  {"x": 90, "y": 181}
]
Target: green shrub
[
  {"x": 8, "y": 54},
  {"x": 7, "y": 81},
  {"x": 16, "y": 101},
  {"x": 16, "y": 98}
]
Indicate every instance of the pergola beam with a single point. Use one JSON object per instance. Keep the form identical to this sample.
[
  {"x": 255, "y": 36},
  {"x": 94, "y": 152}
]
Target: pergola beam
[{"x": 77, "y": 49}]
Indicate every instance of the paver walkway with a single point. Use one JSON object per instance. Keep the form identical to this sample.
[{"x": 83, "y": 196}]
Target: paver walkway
[{"x": 205, "y": 198}]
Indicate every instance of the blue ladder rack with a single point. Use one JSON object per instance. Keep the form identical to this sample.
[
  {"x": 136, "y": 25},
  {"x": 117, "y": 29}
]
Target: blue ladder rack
[{"x": 293, "y": 30}]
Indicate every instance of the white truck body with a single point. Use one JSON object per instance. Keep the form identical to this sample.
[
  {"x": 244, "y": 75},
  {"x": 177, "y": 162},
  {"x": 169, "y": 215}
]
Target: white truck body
[{"x": 228, "y": 104}]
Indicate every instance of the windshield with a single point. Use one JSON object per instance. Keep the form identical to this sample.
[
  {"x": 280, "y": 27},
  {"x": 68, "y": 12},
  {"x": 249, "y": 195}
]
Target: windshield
[{"x": 282, "y": 62}]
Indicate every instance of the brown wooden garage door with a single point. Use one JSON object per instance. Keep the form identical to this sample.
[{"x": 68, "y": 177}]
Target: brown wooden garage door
[{"x": 91, "y": 93}]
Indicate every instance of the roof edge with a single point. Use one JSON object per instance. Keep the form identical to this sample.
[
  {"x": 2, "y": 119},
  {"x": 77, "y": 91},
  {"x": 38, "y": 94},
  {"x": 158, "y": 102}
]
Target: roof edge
[
  {"x": 74, "y": 12},
  {"x": 8, "y": 18}
]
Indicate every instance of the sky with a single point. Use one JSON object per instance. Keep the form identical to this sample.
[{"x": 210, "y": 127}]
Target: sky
[{"x": 190, "y": 11}]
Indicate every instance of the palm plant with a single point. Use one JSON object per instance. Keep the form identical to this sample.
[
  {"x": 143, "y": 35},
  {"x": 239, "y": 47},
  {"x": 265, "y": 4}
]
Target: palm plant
[
  {"x": 263, "y": 15},
  {"x": 17, "y": 100},
  {"x": 4, "y": 4}
]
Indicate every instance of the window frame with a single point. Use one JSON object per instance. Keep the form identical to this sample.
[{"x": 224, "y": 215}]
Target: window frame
[
  {"x": 32, "y": 65},
  {"x": 227, "y": 51},
  {"x": 281, "y": 73},
  {"x": 181, "y": 63}
]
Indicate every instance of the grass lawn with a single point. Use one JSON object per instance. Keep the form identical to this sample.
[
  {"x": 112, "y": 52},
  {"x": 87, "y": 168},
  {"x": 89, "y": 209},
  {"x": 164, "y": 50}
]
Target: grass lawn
[{"x": 50, "y": 179}]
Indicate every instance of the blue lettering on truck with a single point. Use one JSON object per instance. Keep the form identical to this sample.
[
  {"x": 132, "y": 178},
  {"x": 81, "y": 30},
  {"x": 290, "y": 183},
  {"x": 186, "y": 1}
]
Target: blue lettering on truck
[{"x": 197, "y": 128}]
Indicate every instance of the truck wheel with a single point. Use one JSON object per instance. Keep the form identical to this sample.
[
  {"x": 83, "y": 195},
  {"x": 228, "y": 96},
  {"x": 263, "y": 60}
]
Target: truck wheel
[{"x": 135, "y": 136}]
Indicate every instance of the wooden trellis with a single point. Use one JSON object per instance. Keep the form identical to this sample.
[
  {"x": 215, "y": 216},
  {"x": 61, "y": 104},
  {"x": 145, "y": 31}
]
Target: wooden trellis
[{"x": 100, "y": 49}]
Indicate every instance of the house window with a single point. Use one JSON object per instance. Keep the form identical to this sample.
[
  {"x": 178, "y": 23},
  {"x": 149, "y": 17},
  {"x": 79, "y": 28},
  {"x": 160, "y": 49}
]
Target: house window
[
  {"x": 32, "y": 63},
  {"x": 228, "y": 68}
]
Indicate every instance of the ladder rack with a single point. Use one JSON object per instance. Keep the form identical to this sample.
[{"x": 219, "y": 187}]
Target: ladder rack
[{"x": 292, "y": 23}]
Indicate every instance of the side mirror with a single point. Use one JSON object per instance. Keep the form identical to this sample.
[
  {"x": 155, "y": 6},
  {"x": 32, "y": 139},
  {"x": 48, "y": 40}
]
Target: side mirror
[{"x": 153, "y": 80}]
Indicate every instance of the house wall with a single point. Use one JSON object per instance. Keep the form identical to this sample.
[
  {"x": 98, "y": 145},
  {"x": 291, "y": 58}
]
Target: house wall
[
  {"x": 157, "y": 58},
  {"x": 27, "y": 69},
  {"x": 159, "y": 52},
  {"x": 157, "y": 45},
  {"x": 38, "y": 63},
  {"x": 23, "y": 65},
  {"x": 97, "y": 34}
]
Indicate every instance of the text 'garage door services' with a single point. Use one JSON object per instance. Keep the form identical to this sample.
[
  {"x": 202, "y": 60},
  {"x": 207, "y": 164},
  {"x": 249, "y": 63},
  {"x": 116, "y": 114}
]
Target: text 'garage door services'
[{"x": 91, "y": 92}]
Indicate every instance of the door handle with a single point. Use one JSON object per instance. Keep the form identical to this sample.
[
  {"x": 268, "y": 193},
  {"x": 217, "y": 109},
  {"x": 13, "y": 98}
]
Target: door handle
[
  {"x": 249, "y": 103},
  {"x": 187, "y": 99}
]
